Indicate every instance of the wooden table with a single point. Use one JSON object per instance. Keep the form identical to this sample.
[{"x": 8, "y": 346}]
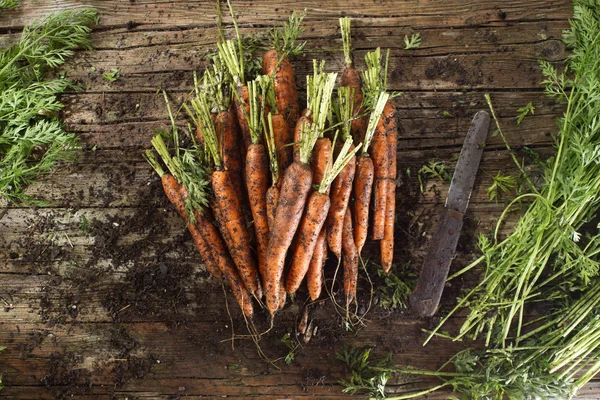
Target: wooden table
[{"x": 104, "y": 295}]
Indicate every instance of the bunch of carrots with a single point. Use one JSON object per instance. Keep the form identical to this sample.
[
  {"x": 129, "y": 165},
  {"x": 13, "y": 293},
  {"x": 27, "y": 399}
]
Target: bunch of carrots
[{"x": 267, "y": 189}]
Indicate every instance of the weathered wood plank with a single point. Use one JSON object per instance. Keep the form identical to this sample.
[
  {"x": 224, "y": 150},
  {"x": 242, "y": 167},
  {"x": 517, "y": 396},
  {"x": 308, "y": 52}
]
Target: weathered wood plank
[{"x": 412, "y": 13}]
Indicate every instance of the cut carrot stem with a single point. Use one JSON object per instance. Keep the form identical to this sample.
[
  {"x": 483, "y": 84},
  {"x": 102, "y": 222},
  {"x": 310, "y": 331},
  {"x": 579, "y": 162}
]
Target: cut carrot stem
[
  {"x": 314, "y": 275},
  {"x": 350, "y": 258}
]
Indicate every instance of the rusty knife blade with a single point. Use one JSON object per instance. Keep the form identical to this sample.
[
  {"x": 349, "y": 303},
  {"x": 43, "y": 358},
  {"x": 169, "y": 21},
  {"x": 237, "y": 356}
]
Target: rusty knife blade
[
  {"x": 468, "y": 164},
  {"x": 425, "y": 298}
]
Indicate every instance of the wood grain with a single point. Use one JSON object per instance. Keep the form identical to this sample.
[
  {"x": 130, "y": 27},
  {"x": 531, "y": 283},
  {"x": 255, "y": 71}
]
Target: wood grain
[{"x": 105, "y": 296}]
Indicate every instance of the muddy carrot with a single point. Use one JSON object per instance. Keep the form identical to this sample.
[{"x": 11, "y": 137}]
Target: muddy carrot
[
  {"x": 257, "y": 174},
  {"x": 222, "y": 258},
  {"x": 375, "y": 82},
  {"x": 350, "y": 259},
  {"x": 226, "y": 191},
  {"x": 341, "y": 189},
  {"x": 317, "y": 209},
  {"x": 276, "y": 63},
  {"x": 387, "y": 243},
  {"x": 363, "y": 181},
  {"x": 314, "y": 275},
  {"x": 294, "y": 192}
]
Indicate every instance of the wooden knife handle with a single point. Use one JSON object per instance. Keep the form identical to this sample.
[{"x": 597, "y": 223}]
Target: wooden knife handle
[{"x": 426, "y": 296}]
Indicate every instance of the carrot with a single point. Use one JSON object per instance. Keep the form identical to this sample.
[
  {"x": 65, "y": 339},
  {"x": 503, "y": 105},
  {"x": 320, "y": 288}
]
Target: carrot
[
  {"x": 350, "y": 78},
  {"x": 242, "y": 109},
  {"x": 226, "y": 192},
  {"x": 387, "y": 243},
  {"x": 302, "y": 122},
  {"x": 342, "y": 185},
  {"x": 314, "y": 275},
  {"x": 283, "y": 138},
  {"x": 321, "y": 155},
  {"x": 276, "y": 64},
  {"x": 350, "y": 257},
  {"x": 225, "y": 263},
  {"x": 205, "y": 235},
  {"x": 312, "y": 222},
  {"x": 257, "y": 174},
  {"x": 228, "y": 132},
  {"x": 317, "y": 209},
  {"x": 296, "y": 184},
  {"x": 272, "y": 199},
  {"x": 340, "y": 196},
  {"x": 363, "y": 182},
  {"x": 375, "y": 80},
  {"x": 295, "y": 188}
]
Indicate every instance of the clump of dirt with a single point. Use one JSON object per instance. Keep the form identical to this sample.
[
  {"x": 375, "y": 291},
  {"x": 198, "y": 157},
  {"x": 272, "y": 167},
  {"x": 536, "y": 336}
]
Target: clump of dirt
[
  {"x": 451, "y": 68},
  {"x": 129, "y": 366},
  {"x": 65, "y": 379}
]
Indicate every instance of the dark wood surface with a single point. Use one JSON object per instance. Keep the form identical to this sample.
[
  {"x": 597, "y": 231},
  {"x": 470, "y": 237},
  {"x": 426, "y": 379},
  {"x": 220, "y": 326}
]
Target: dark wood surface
[{"x": 123, "y": 308}]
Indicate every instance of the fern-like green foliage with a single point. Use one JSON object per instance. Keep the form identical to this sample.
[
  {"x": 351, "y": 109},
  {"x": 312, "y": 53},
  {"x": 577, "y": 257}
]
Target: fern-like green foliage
[
  {"x": 32, "y": 138},
  {"x": 8, "y": 4}
]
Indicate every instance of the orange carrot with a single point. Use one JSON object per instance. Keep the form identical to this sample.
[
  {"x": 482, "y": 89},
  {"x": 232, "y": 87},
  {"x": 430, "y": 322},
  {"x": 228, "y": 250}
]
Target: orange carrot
[
  {"x": 379, "y": 152},
  {"x": 228, "y": 133},
  {"x": 223, "y": 260},
  {"x": 272, "y": 199},
  {"x": 300, "y": 124},
  {"x": 242, "y": 109},
  {"x": 312, "y": 222},
  {"x": 283, "y": 140},
  {"x": 363, "y": 185},
  {"x": 232, "y": 220},
  {"x": 296, "y": 184},
  {"x": 340, "y": 196},
  {"x": 314, "y": 275},
  {"x": 321, "y": 155},
  {"x": 387, "y": 243},
  {"x": 317, "y": 210},
  {"x": 295, "y": 188},
  {"x": 363, "y": 182},
  {"x": 257, "y": 174},
  {"x": 350, "y": 257}
]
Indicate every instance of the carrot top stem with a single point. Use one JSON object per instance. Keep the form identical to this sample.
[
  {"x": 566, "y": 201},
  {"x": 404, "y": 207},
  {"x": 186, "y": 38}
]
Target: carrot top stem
[
  {"x": 373, "y": 119},
  {"x": 375, "y": 76},
  {"x": 319, "y": 89},
  {"x": 240, "y": 54},
  {"x": 257, "y": 115},
  {"x": 267, "y": 89},
  {"x": 233, "y": 60},
  {"x": 216, "y": 82},
  {"x": 344, "y": 109},
  {"x": 201, "y": 116},
  {"x": 272, "y": 149},
  {"x": 284, "y": 40},
  {"x": 346, "y": 39},
  {"x": 151, "y": 158},
  {"x": 332, "y": 171}
]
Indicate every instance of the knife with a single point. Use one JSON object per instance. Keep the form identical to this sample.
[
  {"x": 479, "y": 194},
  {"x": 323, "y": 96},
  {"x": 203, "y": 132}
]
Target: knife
[{"x": 425, "y": 298}]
